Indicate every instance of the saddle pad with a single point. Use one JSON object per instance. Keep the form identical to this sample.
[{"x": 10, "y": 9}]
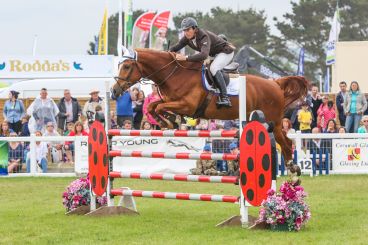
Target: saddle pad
[{"x": 232, "y": 88}]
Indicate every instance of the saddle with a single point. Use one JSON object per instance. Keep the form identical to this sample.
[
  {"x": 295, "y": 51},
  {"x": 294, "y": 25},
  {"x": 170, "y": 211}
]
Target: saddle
[{"x": 227, "y": 71}]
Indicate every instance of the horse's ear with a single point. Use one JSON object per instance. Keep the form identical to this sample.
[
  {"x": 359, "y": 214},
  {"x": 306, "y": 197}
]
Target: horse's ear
[{"x": 125, "y": 51}]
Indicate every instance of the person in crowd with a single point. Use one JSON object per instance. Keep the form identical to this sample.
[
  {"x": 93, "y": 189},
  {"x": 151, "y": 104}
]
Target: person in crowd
[
  {"x": 221, "y": 146},
  {"x": 152, "y": 97},
  {"x": 13, "y": 111},
  {"x": 191, "y": 122},
  {"x": 55, "y": 147},
  {"x": 326, "y": 112},
  {"x": 15, "y": 155},
  {"x": 202, "y": 125},
  {"x": 69, "y": 128},
  {"x": 25, "y": 130},
  {"x": 212, "y": 125},
  {"x": 5, "y": 130},
  {"x": 41, "y": 155},
  {"x": 305, "y": 118},
  {"x": 342, "y": 130},
  {"x": 77, "y": 130},
  {"x": 354, "y": 106},
  {"x": 83, "y": 119},
  {"x": 89, "y": 109},
  {"x": 127, "y": 125},
  {"x": 138, "y": 110},
  {"x": 42, "y": 110},
  {"x": 340, "y": 98},
  {"x": 124, "y": 109},
  {"x": 183, "y": 126},
  {"x": 146, "y": 125},
  {"x": 316, "y": 101},
  {"x": 113, "y": 120},
  {"x": 331, "y": 127},
  {"x": 233, "y": 165},
  {"x": 69, "y": 110},
  {"x": 205, "y": 167},
  {"x": 99, "y": 116},
  {"x": 364, "y": 128},
  {"x": 286, "y": 126}
]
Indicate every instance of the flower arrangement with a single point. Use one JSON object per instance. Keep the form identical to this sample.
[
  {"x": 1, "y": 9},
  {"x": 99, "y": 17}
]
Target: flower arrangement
[
  {"x": 78, "y": 194},
  {"x": 286, "y": 210}
]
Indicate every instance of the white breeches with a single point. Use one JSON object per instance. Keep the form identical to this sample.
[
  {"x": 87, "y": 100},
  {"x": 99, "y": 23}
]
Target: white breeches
[{"x": 221, "y": 60}]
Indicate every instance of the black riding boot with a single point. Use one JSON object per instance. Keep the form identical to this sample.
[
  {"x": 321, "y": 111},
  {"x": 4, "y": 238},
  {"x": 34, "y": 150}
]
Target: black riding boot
[{"x": 223, "y": 98}]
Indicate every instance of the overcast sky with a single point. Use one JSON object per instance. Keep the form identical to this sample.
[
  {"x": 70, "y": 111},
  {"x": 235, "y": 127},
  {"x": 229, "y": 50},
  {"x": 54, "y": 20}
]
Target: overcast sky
[{"x": 67, "y": 26}]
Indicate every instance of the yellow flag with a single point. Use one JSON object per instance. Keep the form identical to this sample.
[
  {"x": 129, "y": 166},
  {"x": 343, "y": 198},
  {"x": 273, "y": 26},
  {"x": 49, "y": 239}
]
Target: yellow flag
[{"x": 102, "y": 37}]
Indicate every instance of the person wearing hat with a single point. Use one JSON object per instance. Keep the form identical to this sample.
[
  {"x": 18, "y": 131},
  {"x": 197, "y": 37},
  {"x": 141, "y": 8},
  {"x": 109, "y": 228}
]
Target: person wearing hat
[
  {"x": 207, "y": 44},
  {"x": 89, "y": 109},
  {"x": 305, "y": 118},
  {"x": 14, "y": 111},
  {"x": 233, "y": 165},
  {"x": 205, "y": 167}
]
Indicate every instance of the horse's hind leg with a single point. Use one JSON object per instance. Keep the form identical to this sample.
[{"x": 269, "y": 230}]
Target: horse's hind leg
[{"x": 284, "y": 142}]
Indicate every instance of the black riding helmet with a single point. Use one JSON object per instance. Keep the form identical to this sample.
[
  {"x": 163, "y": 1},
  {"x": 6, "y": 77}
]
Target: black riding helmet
[
  {"x": 188, "y": 22},
  {"x": 223, "y": 36}
]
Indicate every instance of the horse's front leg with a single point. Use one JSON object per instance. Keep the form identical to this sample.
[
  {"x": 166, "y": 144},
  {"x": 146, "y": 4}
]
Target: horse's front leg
[
  {"x": 151, "y": 108},
  {"x": 176, "y": 107}
]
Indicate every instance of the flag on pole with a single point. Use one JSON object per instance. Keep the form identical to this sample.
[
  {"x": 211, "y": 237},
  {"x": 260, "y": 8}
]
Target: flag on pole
[
  {"x": 300, "y": 71},
  {"x": 333, "y": 38},
  {"x": 326, "y": 87},
  {"x": 102, "y": 37},
  {"x": 120, "y": 30},
  {"x": 95, "y": 50},
  {"x": 141, "y": 30},
  {"x": 128, "y": 24},
  {"x": 158, "y": 32}
]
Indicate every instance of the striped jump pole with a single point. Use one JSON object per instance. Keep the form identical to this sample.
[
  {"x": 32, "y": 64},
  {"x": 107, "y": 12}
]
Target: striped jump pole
[
  {"x": 174, "y": 133},
  {"x": 175, "y": 177},
  {"x": 180, "y": 155},
  {"x": 174, "y": 195}
]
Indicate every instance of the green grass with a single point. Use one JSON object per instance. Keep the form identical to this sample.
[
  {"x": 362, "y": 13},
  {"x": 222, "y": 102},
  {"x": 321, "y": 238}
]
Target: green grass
[{"x": 31, "y": 212}]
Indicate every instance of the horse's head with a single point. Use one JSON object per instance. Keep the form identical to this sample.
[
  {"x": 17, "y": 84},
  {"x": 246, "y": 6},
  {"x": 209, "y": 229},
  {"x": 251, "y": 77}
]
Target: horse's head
[{"x": 129, "y": 72}]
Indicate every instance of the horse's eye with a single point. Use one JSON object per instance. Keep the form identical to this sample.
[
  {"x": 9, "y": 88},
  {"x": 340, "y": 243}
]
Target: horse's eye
[{"x": 126, "y": 66}]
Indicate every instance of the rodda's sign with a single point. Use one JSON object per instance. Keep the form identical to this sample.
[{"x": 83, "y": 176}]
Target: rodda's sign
[{"x": 56, "y": 66}]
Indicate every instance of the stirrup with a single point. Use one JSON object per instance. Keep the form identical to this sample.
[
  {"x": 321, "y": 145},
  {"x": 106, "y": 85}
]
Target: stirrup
[{"x": 224, "y": 101}]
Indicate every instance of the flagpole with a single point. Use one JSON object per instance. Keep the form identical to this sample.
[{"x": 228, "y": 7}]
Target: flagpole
[
  {"x": 120, "y": 30},
  {"x": 34, "y": 45}
]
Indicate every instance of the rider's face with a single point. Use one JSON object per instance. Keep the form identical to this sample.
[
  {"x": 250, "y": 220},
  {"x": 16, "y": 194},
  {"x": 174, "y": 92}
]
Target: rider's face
[{"x": 189, "y": 33}]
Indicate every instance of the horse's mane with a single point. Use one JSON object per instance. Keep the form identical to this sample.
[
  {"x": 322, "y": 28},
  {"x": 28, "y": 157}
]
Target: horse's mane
[{"x": 294, "y": 88}]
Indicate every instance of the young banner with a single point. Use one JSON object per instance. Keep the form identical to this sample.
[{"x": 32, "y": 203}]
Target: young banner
[{"x": 141, "y": 30}]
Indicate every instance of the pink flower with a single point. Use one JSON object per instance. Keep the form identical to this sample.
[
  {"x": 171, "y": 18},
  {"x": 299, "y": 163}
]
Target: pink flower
[{"x": 270, "y": 192}]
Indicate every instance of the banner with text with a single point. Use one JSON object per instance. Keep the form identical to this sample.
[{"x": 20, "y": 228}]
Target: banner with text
[
  {"x": 141, "y": 30},
  {"x": 159, "y": 27},
  {"x": 350, "y": 155},
  {"x": 56, "y": 66}
]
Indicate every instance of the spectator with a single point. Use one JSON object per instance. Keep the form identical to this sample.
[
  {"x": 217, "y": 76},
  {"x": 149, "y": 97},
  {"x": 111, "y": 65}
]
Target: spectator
[
  {"x": 127, "y": 125},
  {"x": 146, "y": 125},
  {"x": 5, "y": 130},
  {"x": 340, "y": 98},
  {"x": 233, "y": 165},
  {"x": 206, "y": 167},
  {"x": 55, "y": 147},
  {"x": 41, "y": 153},
  {"x": 286, "y": 126},
  {"x": 25, "y": 129},
  {"x": 202, "y": 125},
  {"x": 221, "y": 146},
  {"x": 305, "y": 118},
  {"x": 331, "y": 127},
  {"x": 89, "y": 109},
  {"x": 99, "y": 116},
  {"x": 138, "y": 110},
  {"x": 316, "y": 101},
  {"x": 83, "y": 119},
  {"x": 69, "y": 129},
  {"x": 364, "y": 128},
  {"x": 153, "y": 97},
  {"x": 14, "y": 111},
  {"x": 325, "y": 112},
  {"x": 15, "y": 155},
  {"x": 183, "y": 127},
  {"x": 342, "y": 130},
  {"x": 191, "y": 122},
  {"x": 77, "y": 130},
  {"x": 354, "y": 106},
  {"x": 124, "y": 109},
  {"x": 42, "y": 110},
  {"x": 113, "y": 120},
  {"x": 70, "y": 110}
]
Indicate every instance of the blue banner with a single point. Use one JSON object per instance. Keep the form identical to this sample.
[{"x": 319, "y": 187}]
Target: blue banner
[{"x": 300, "y": 71}]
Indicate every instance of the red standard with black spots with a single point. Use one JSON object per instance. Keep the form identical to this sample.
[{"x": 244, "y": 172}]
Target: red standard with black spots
[
  {"x": 98, "y": 158},
  {"x": 255, "y": 163}
]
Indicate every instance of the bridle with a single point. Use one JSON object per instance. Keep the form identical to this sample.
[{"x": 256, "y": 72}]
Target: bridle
[{"x": 143, "y": 78}]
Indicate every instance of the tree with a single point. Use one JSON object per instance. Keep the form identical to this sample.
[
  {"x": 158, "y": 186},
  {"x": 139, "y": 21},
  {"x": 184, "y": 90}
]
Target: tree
[{"x": 309, "y": 25}]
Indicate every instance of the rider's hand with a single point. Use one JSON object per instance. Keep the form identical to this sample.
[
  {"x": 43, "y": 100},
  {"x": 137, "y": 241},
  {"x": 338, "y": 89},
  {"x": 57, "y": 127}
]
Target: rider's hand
[{"x": 180, "y": 57}]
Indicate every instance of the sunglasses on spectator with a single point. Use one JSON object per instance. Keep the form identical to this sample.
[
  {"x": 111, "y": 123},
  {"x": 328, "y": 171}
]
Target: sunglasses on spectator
[{"x": 365, "y": 120}]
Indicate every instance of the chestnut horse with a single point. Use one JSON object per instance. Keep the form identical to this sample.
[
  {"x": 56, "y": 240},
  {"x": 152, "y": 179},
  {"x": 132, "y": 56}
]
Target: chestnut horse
[{"x": 180, "y": 86}]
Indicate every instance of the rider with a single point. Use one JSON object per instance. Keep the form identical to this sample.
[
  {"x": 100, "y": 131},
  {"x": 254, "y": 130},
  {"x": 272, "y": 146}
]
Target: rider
[{"x": 208, "y": 44}]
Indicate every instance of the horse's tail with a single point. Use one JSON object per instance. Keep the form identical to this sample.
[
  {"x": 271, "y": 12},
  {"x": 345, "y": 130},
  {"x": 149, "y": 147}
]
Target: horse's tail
[{"x": 295, "y": 87}]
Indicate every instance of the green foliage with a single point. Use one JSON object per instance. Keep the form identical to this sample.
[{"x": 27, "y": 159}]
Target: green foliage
[
  {"x": 32, "y": 213},
  {"x": 308, "y": 26}
]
